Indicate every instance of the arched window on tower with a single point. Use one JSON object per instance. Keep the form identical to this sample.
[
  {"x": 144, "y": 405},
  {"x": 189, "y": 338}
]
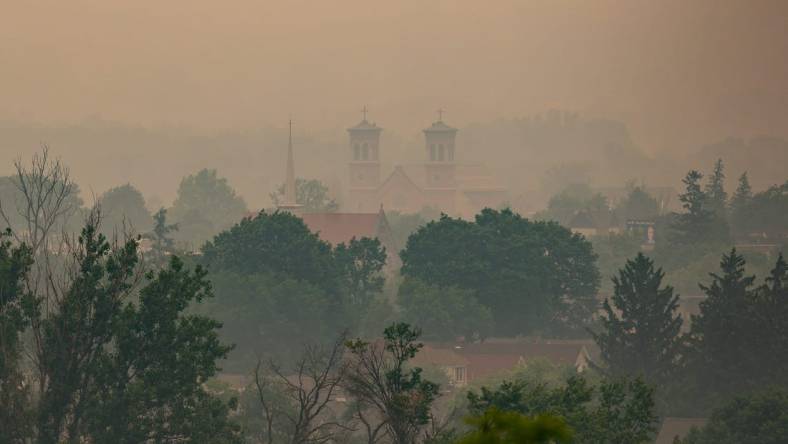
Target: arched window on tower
[
  {"x": 451, "y": 153},
  {"x": 356, "y": 152},
  {"x": 432, "y": 152},
  {"x": 365, "y": 152},
  {"x": 440, "y": 152}
]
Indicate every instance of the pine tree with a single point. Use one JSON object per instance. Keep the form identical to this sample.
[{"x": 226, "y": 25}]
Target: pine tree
[
  {"x": 716, "y": 196},
  {"x": 772, "y": 324},
  {"x": 698, "y": 224},
  {"x": 722, "y": 332},
  {"x": 643, "y": 340},
  {"x": 738, "y": 205}
]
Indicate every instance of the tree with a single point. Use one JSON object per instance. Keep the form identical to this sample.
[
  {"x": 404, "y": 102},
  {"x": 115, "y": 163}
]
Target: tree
[
  {"x": 764, "y": 214},
  {"x": 614, "y": 411},
  {"x": 640, "y": 331},
  {"x": 312, "y": 194},
  {"x": 393, "y": 401},
  {"x": 772, "y": 324},
  {"x": 122, "y": 209},
  {"x": 573, "y": 199},
  {"x": 739, "y": 203},
  {"x": 638, "y": 205},
  {"x": 205, "y": 205},
  {"x": 44, "y": 200},
  {"x": 497, "y": 427},
  {"x": 302, "y": 412},
  {"x": 162, "y": 243},
  {"x": 446, "y": 313},
  {"x": 533, "y": 276},
  {"x": 722, "y": 333},
  {"x": 361, "y": 262},
  {"x": 118, "y": 357},
  {"x": 16, "y": 305},
  {"x": 271, "y": 274},
  {"x": 715, "y": 190},
  {"x": 757, "y": 419},
  {"x": 699, "y": 223}
]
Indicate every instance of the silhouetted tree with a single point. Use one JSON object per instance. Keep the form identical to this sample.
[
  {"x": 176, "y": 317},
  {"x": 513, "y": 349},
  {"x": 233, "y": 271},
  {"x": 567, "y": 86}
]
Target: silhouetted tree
[
  {"x": 717, "y": 198},
  {"x": 123, "y": 210},
  {"x": 311, "y": 194},
  {"x": 639, "y": 333},
  {"x": 392, "y": 400}
]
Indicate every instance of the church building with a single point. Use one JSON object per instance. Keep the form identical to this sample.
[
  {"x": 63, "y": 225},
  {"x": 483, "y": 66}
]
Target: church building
[{"x": 439, "y": 182}]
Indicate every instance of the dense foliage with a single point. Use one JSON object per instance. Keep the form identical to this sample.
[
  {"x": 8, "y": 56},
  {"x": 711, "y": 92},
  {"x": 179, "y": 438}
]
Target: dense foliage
[
  {"x": 123, "y": 210},
  {"x": 533, "y": 276},
  {"x": 205, "y": 205},
  {"x": 278, "y": 285},
  {"x": 614, "y": 411},
  {"x": 639, "y": 333},
  {"x": 758, "y": 419},
  {"x": 311, "y": 194}
]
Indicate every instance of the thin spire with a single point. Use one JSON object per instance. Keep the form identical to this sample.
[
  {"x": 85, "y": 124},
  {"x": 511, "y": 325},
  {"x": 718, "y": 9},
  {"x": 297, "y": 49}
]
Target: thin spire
[
  {"x": 290, "y": 184},
  {"x": 440, "y": 114},
  {"x": 364, "y": 113}
]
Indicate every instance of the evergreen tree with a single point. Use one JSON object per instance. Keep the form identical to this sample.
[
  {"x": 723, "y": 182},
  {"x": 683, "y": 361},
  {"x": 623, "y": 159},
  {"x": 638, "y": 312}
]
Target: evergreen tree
[
  {"x": 715, "y": 190},
  {"x": 643, "y": 340},
  {"x": 772, "y": 325},
  {"x": 721, "y": 333},
  {"x": 698, "y": 223},
  {"x": 739, "y": 202}
]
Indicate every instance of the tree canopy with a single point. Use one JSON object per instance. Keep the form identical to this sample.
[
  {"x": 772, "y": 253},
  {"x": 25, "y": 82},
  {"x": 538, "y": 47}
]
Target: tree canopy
[
  {"x": 312, "y": 194},
  {"x": 123, "y": 208},
  {"x": 205, "y": 205},
  {"x": 533, "y": 276}
]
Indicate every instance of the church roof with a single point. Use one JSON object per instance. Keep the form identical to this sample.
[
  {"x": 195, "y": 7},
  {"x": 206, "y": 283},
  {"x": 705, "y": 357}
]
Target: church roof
[
  {"x": 440, "y": 127},
  {"x": 469, "y": 177},
  {"x": 336, "y": 228},
  {"x": 364, "y": 125}
]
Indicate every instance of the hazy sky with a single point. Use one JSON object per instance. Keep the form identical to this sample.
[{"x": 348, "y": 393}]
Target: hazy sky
[{"x": 679, "y": 73}]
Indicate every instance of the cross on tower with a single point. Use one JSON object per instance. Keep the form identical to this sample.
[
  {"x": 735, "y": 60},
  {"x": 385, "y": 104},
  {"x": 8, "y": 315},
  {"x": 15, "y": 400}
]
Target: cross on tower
[
  {"x": 440, "y": 114},
  {"x": 364, "y": 112}
]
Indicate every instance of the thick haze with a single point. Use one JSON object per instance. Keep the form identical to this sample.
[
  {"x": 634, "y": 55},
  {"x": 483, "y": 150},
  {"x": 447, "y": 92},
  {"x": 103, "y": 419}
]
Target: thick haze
[{"x": 679, "y": 74}]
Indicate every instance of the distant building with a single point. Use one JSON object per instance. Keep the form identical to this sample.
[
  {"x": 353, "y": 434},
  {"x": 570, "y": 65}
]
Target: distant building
[
  {"x": 440, "y": 182},
  {"x": 469, "y": 362},
  {"x": 335, "y": 228}
]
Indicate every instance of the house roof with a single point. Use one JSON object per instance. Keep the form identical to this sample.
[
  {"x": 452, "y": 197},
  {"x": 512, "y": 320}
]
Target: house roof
[
  {"x": 673, "y": 427},
  {"x": 496, "y": 356},
  {"x": 336, "y": 228},
  {"x": 442, "y": 357}
]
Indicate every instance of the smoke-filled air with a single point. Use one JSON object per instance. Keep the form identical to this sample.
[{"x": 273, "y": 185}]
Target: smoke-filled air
[{"x": 394, "y": 222}]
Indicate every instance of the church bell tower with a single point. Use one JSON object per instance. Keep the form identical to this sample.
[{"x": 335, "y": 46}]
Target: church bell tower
[
  {"x": 365, "y": 162},
  {"x": 439, "y": 144}
]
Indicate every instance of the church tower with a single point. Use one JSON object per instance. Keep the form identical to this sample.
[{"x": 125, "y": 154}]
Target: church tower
[
  {"x": 439, "y": 145},
  {"x": 365, "y": 164},
  {"x": 289, "y": 201}
]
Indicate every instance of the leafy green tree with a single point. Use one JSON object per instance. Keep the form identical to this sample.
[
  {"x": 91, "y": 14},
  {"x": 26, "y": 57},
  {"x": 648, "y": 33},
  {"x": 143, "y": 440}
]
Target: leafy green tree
[
  {"x": 717, "y": 198},
  {"x": 205, "y": 205},
  {"x": 765, "y": 214},
  {"x": 497, "y": 427},
  {"x": 123, "y": 209},
  {"x": 757, "y": 419},
  {"x": 163, "y": 244},
  {"x": 391, "y": 398},
  {"x": 573, "y": 199},
  {"x": 533, "y": 276},
  {"x": 119, "y": 368},
  {"x": 361, "y": 262},
  {"x": 279, "y": 285},
  {"x": 614, "y": 411},
  {"x": 723, "y": 332},
  {"x": 639, "y": 333},
  {"x": 446, "y": 313},
  {"x": 16, "y": 305},
  {"x": 638, "y": 205},
  {"x": 312, "y": 194}
]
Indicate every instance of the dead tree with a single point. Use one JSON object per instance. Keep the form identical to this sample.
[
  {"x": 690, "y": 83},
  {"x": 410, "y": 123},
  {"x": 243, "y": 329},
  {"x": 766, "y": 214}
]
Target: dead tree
[
  {"x": 309, "y": 392},
  {"x": 46, "y": 193}
]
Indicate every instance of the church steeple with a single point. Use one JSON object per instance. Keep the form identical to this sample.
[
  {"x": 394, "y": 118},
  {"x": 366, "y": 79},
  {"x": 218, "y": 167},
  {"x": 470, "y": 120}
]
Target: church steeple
[{"x": 289, "y": 201}]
